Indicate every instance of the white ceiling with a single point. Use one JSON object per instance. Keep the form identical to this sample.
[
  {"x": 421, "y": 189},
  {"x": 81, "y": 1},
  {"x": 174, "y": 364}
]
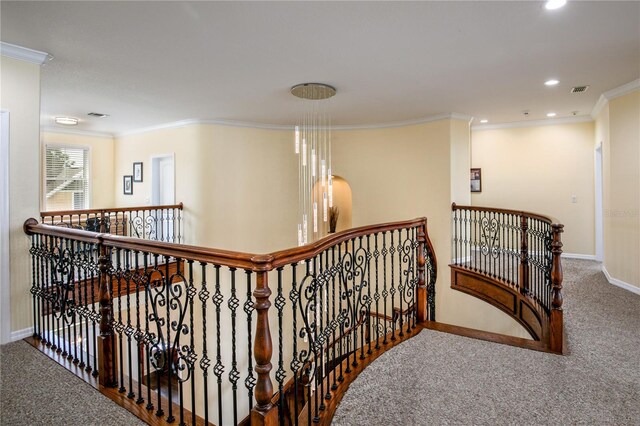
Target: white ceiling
[{"x": 149, "y": 63}]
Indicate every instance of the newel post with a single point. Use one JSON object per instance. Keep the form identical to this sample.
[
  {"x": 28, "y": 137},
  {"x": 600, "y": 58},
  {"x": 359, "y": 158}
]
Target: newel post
[
  {"x": 103, "y": 223},
  {"x": 264, "y": 412},
  {"x": 422, "y": 285},
  {"x": 556, "y": 328},
  {"x": 106, "y": 364},
  {"x": 524, "y": 256}
]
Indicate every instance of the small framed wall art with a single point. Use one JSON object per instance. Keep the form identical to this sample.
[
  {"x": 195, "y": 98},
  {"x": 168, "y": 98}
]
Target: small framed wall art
[
  {"x": 137, "y": 172},
  {"x": 127, "y": 184},
  {"x": 476, "y": 180}
]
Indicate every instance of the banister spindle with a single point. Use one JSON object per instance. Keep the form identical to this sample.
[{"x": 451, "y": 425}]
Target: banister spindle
[
  {"x": 556, "y": 328},
  {"x": 106, "y": 365},
  {"x": 523, "y": 282},
  {"x": 422, "y": 285},
  {"x": 264, "y": 412},
  {"x": 103, "y": 223}
]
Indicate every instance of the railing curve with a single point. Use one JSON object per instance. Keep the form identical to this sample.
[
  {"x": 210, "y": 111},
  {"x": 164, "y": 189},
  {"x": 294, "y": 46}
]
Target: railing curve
[
  {"x": 162, "y": 223},
  {"x": 171, "y": 324},
  {"x": 511, "y": 259}
]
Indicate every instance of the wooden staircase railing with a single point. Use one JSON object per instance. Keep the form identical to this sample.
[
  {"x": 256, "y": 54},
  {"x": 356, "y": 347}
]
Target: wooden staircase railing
[
  {"x": 161, "y": 223},
  {"x": 187, "y": 333},
  {"x": 511, "y": 259}
]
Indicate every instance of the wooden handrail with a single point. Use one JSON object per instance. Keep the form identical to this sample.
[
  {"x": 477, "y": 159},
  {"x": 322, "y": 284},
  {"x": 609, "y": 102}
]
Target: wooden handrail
[
  {"x": 232, "y": 259},
  {"x": 549, "y": 219},
  {"x": 179, "y": 206},
  {"x": 298, "y": 254}
]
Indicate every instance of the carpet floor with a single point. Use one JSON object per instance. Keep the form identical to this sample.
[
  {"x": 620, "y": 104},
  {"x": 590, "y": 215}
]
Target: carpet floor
[
  {"x": 432, "y": 379},
  {"x": 438, "y": 379},
  {"x": 35, "y": 390}
]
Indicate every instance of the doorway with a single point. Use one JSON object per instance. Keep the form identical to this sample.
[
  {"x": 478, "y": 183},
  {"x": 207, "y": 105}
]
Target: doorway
[
  {"x": 5, "y": 281},
  {"x": 598, "y": 203},
  {"x": 163, "y": 193}
]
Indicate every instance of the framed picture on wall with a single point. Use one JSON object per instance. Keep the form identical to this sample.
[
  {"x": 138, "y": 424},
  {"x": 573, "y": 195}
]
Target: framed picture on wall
[
  {"x": 127, "y": 184},
  {"x": 137, "y": 172},
  {"x": 476, "y": 180}
]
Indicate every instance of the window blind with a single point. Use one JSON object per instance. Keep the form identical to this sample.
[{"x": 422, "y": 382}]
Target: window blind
[{"x": 66, "y": 178}]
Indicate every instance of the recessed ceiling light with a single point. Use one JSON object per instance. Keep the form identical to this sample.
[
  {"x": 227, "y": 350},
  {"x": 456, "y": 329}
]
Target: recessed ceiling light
[
  {"x": 555, "y": 4},
  {"x": 484, "y": 121},
  {"x": 551, "y": 82},
  {"x": 551, "y": 114},
  {"x": 66, "y": 121}
]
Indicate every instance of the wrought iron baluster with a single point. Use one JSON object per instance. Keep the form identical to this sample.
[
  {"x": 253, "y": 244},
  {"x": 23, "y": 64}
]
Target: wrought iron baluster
[
  {"x": 170, "y": 354},
  {"x": 385, "y": 293},
  {"x": 147, "y": 332},
  {"x": 392, "y": 290},
  {"x": 118, "y": 325},
  {"x": 139, "y": 283},
  {"x": 369, "y": 300},
  {"x": 34, "y": 289},
  {"x": 218, "y": 369},
  {"x": 280, "y": 303},
  {"x": 205, "y": 363},
  {"x": 129, "y": 331},
  {"x": 376, "y": 295},
  {"x": 234, "y": 374},
  {"x": 319, "y": 335},
  {"x": 295, "y": 363},
  {"x": 401, "y": 288},
  {"x": 250, "y": 381}
]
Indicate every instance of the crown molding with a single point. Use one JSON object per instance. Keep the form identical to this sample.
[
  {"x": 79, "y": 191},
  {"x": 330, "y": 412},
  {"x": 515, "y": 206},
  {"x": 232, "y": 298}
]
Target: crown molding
[
  {"x": 24, "y": 53},
  {"x": 251, "y": 125},
  {"x": 533, "y": 123},
  {"x": 49, "y": 129},
  {"x": 602, "y": 101},
  {"x": 405, "y": 123},
  {"x": 193, "y": 121},
  {"x": 609, "y": 95}
]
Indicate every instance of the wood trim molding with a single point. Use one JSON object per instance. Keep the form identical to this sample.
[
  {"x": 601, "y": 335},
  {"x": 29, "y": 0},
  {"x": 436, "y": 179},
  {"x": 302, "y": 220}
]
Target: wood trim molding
[
  {"x": 486, "y": 336},
  {"x": 526, "y": 312}
]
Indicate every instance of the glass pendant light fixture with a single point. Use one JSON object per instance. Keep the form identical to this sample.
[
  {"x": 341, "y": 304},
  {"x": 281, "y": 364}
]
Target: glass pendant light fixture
[{"x": 312, "y": 145}]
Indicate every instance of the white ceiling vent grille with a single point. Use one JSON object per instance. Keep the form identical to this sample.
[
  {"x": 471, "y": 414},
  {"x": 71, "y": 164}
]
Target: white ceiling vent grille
[{"x": 579, "y": 89}]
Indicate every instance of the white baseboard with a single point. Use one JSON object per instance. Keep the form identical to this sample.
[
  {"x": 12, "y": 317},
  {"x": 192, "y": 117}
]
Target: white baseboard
[
  {"x": 21, "y": 334},
  {"x": 618, "y": 283},
  {"x": 579, "y": 256}
]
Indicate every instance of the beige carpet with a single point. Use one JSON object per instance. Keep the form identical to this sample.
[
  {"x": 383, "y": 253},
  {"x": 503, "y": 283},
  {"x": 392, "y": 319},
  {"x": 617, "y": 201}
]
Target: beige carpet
[
  {"x": 438, "y": 379},
  {"x": 34, "y": 390}
]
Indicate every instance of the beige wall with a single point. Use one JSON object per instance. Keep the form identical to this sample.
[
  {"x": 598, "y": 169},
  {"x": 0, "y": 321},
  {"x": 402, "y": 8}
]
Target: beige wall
[
  {"x": 20, "y": 95},
  {"x": 101, "y": 171},
  {"x": 238, "y": 185},
  {"x": 539, "y": 169},
  {"x": 407, "y": 172},
  {"x": 239, "y": 188},
  {"x": 621, "y": 187}
]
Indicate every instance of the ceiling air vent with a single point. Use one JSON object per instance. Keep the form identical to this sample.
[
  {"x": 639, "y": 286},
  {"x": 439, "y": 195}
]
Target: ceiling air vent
[
  {"x": 579, "y": 89},
  {"x": 97, "y": 114}
]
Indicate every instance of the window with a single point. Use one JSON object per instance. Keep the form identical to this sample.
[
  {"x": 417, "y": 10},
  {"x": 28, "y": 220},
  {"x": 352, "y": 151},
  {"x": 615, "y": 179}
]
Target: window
[{"x": 66, "y": 178}]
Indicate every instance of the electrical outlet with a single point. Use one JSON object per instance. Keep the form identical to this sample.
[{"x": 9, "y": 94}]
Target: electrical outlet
[{"x": 574, "y": 199}]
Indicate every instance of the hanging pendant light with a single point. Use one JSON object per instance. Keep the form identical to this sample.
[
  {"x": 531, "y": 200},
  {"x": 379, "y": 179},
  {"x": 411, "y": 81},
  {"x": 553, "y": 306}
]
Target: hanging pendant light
[{"x": 312, "y": 145}]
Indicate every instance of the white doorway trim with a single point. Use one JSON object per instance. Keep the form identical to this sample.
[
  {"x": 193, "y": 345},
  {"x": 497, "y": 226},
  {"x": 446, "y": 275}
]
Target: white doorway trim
[
  {"x": 5, "y": 259},
  {"x": 155, "y": 191},
  {"x": 598, "y": 203}
]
